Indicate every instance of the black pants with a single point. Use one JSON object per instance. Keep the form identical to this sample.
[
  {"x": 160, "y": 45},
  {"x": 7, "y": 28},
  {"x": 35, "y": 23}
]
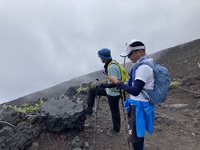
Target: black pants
[
  {"x": 113, "y": 102},
  {"x": 137, "y": 142}
]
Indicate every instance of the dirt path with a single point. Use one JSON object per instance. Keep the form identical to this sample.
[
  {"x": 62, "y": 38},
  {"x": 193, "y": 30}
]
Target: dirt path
[{"x": 104, "y": 123}]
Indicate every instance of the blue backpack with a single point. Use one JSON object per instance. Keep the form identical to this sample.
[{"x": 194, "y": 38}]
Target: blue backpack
[{"x": 161, "y": 83}]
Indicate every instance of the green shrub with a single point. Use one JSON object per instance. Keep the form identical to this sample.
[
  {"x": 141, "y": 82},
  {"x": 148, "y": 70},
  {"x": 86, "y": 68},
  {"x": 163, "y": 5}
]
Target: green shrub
[
  {"x": 81, "y": 88},
  {"x": 25, "y": 107},
  {"x": 174, "y": 83}
]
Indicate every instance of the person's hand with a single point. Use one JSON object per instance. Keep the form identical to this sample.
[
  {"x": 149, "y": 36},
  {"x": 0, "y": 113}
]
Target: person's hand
[{"x": 112, "y": 79}]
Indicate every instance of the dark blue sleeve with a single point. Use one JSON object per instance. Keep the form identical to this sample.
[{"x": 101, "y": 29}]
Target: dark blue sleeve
[{"x": 135, "y": 90}]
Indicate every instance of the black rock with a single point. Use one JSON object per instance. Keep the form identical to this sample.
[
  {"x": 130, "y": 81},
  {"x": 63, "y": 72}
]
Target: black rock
[{"x": 60, "y": 114}]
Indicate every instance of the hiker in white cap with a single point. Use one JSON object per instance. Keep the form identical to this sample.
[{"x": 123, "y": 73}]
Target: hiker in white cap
[{"x": 140, "y": 110}]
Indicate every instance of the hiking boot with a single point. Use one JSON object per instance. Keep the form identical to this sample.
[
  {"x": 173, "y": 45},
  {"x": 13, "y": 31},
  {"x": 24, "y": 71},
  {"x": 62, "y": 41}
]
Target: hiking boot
[
  {"x": 113, "y": 132},
  {"x": 88, "y": 111}
]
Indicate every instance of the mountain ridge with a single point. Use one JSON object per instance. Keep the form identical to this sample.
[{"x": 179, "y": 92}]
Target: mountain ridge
[{"x": 164, "y": 57}]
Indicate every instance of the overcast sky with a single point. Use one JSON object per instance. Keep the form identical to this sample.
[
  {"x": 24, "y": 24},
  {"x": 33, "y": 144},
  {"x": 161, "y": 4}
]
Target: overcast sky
[{"x": 46, "y": 42}]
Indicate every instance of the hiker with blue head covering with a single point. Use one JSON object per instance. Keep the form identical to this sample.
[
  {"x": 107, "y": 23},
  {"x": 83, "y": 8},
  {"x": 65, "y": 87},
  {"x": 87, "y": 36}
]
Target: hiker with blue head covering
[
  {"x": 140, "y": 110},
  {"x": 110, "y": 90}
]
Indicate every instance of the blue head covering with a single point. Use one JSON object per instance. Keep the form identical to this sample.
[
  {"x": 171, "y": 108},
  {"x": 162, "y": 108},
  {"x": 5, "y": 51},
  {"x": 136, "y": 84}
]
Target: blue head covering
[{"x": 105, "y": 54}]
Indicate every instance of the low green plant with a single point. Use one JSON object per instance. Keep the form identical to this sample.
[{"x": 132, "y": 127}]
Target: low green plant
[
  {"x": 81, "y": 88},
  {"x": 26, "y": 108},
  {"x": 6, "y": 106},
  {"x": 174, "y": 83}
]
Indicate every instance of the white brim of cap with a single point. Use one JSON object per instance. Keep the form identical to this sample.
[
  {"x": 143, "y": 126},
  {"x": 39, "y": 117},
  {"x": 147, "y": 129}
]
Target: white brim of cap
[
  {"x": 129, "y": 49},
  {"x": 125, "y": 54}
]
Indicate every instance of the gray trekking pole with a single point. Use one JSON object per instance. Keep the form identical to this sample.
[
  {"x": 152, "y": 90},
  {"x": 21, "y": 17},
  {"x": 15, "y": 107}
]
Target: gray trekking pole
[
  {"x": 96, "y": 106},
  {"x": 123, "y": 98}
]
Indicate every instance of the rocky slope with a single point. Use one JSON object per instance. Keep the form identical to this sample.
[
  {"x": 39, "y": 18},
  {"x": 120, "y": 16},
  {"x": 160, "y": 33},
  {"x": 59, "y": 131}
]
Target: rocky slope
[{"x": 177, "y": 124}]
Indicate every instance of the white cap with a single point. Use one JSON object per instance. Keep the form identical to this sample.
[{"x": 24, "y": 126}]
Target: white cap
[{"x": 135, "y": 45}]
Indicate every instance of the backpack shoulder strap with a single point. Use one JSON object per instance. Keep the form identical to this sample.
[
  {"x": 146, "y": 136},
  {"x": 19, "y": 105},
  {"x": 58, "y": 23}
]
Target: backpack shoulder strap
[
  {"x": 113, "y": 62},
  {"x": 135, "y": 67}
]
